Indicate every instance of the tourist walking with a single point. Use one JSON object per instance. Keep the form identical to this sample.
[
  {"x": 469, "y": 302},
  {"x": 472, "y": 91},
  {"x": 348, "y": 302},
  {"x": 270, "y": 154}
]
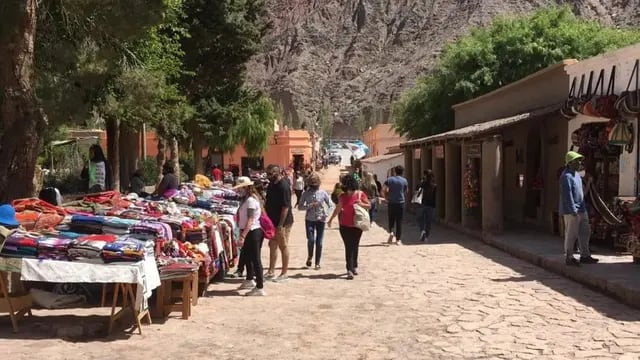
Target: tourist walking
[
  {"x": 428, "y": 188},
  {"x": 298, "y": 187},
  {"x": 348, "y": 231},
  {"x": 371, "y": 190},
  {"x": 317, "y": 203},
  {"x": 395, "y": 190},
  {"x": 251, "y": 236},
  {"x": 573, "y": 209},
  {"x": 278, "y": 208}
]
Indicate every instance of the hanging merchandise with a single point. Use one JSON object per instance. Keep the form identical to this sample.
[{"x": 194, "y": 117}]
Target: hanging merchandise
[
  {"x": 629, "y": 101},
  {"x": 471, "y": 186},
  {"x": 621, "y": 134}
]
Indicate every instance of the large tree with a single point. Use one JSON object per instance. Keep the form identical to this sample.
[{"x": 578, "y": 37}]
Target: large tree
[
  {"x": 224, "y": 35},
  {"x": 41, "y": 71},
  {"x": 507, "y": 50}
]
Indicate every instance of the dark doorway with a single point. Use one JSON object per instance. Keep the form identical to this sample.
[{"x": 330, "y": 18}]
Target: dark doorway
[
  {"x": 298, "y": 162},
  {"x": 533, "y": 181}
]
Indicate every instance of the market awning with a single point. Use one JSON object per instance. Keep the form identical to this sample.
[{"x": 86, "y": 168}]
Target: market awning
[
  {"x": 377, "y": 159},
  {"x": 483, "y": 128}
]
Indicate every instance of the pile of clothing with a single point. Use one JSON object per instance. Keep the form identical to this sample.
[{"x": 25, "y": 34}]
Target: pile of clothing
[
  {"x": 86, "y": 224},
  {"x": 53, "y": 248},
  {"x": 21, "y": 244},
  {"x": 89, "y": 247},
  {"x": 117, "y": 226},
  {"x": 124, "y": 250},
  {"x": 170, "y": 267}
]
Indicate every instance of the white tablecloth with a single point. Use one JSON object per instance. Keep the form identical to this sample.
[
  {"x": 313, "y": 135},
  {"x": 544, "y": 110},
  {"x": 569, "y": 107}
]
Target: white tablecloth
[{"x": 144, "y": 273}]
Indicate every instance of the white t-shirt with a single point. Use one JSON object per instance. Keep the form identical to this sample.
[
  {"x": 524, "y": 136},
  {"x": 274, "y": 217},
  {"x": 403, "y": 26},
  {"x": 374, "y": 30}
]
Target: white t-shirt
[
  {"x": 250, "y": 203},
  {"x": 299, "y": 184}
]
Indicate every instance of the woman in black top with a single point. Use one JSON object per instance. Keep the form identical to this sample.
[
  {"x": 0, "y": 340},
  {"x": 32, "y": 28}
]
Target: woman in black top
[{"x": 428, "y": 186}]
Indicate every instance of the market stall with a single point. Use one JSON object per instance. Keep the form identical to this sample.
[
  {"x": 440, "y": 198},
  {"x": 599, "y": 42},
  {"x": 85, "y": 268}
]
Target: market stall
[{"x": 176, "y": 246}]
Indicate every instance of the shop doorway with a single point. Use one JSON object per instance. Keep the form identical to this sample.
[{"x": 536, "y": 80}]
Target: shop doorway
[
  {"x": 472, "y": 186},
  {"x": 533, "y": 182},
  {"x": 298, "y": 162}
]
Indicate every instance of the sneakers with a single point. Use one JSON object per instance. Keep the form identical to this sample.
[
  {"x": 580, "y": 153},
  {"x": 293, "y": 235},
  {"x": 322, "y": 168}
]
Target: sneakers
[
  {"x": 256, "y": 292},
  {"x": 398, "y": 242},
  {"x": 571, "y": 261},
  {"x": 355, "y": 272},
  {"x": 269, "y": 276},
  {"x": 317, "y": 267},
  {"x": 588, "y": 260},
  {"x": 281, "y": 279},
  {"x": 349, "y": 275},
  {"x": 309, "y": 262},
  {"x": 423, "y": 235},
  {"x": 247, "y": 284}
]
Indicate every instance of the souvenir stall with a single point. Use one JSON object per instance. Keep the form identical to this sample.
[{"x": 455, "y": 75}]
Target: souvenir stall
[
  {"x": 608, "y": 148},
  {"x": 471, "y": 185},
  {"x": 129, "y": 245}
]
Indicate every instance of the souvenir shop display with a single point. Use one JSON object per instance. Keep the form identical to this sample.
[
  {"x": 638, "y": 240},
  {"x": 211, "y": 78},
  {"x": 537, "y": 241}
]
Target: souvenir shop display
[
  {"x": 194, "y": 232},
  {"x": 471, "y": 187}
]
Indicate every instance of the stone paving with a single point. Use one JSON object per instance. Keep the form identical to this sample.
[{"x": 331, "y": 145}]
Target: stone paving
[{"x": 453, "y": 298}]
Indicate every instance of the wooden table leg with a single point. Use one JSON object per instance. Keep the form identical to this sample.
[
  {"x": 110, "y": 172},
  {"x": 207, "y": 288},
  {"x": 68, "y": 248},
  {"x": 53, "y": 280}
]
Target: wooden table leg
[
  {"x": 194, "y": 289},
  {"x": 5, "y": 293},
  {"x": 114, "y": 302},
  {"x": 186, "y": 302}
]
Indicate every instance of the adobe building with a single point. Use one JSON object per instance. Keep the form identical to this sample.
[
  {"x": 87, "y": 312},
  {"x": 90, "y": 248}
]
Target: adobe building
[
  {"x": 381, "y": 138},
  {"x": 500, "y": 165}
]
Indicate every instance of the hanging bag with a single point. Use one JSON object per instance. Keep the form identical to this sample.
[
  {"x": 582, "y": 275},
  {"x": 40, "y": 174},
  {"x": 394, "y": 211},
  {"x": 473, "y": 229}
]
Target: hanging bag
[
  {"x": 361, "y": 215},
  {"x": 629, "y": 101},
  {"x": 417, "y": 197},
  {"x": 621, "y": 134},
  {"x": 605, "y": 103},
  {"x": 567, "y": 108}
]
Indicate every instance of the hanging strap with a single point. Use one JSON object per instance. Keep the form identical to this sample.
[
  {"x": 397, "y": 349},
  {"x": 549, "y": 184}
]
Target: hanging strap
[
  {"x": 612, "y": 82},
  {"x": 572, "y": 90},
  {"x": 599, "y": 83},
  {"x": 634, "y": 73}
]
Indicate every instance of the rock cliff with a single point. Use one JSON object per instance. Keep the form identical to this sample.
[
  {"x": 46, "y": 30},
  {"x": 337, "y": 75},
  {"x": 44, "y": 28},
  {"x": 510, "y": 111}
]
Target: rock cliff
[{"x": 352, "y": 58}]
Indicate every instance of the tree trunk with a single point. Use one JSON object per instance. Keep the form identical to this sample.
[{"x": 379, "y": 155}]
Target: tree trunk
[
  {"x": 21, "y": 119},
  {"x": 129, "y": 154},
  {"x": 175, "y": 156},
  {"x": 160, "y": 158},
  {"x": 197, "y": 144},
  {"x": 113, "y": 150}
]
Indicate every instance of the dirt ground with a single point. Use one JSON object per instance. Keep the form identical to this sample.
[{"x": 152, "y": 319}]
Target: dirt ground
[{"x": 452, "y": 298}]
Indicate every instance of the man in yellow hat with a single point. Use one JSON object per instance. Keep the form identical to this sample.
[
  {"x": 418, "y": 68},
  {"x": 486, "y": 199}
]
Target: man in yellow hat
[{"x": 574, "y": 211}]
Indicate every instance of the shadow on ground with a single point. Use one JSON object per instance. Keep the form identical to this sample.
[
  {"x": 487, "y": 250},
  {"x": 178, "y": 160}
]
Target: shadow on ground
[{"x": 529, "y": 272}]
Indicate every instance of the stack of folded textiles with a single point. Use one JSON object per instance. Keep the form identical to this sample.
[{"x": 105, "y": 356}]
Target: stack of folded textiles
[
  {"x": 175, "y": 267},
  {"x": 86, "y": 224},
  {"x": 117, "y": 226},
  {"x": 21, "y": 244},
  {"x": 149, "y": 230},
  {"x": 54, "y": 248},
  {"x": 123, "y": 250},
  {"x": 89, "y": 247}
]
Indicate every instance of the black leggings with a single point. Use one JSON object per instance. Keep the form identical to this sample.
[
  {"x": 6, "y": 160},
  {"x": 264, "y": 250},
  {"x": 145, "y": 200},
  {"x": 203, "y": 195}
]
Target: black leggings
[
  {"x": 351, "y": 238},
  {"x": 298, "y": 196},
  {"x": 252, "y": 254},
  {"x": 396, "y": 213}
]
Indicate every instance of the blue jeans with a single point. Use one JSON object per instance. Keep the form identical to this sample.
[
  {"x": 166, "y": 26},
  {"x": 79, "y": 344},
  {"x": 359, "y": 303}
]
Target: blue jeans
[
  {"x": 315, "y": 234},
  {"x": 426, "y": 219},
  {"x": 372, "y": 210}
]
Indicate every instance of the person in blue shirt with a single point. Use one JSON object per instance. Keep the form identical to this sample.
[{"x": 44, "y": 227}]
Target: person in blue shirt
[
  {"x": 395, "y": 191},
  {"x": 573, "y": 209}
]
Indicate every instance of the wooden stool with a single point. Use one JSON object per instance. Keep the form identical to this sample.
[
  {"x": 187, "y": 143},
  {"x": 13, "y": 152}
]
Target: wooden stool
[{"x": 186, "y": 297}]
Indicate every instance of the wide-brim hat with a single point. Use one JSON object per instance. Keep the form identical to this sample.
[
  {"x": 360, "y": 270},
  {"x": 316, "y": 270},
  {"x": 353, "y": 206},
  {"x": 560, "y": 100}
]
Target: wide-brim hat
[
  {"x": 8, "y": 216},
  {"x": 243, "y": 181}
]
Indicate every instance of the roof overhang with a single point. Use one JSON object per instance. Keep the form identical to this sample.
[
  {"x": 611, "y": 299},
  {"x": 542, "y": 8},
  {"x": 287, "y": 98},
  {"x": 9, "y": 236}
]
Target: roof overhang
[{"x": 484, "y": 128}]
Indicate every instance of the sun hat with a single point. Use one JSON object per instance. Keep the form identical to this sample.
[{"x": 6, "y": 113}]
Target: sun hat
[
  {"x": 314, "y": 179},
  {"x": 243, "y": 181},
  {"x": 8, "y": 216},
  {"x": 571, "y": 157}
]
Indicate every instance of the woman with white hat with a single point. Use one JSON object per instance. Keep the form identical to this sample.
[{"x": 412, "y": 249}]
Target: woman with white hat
[{"x": 251, "y": 236}]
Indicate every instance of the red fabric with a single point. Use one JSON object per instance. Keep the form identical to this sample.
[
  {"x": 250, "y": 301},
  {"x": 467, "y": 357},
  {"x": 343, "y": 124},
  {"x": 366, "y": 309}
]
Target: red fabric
[
  {"x": 217, "y": 174},
  {"x": 37, "y": 205},
  {"x": 98, "y": 237},
  {"x": 107, "y": 198},
  {"x": 348, "y": 214}
]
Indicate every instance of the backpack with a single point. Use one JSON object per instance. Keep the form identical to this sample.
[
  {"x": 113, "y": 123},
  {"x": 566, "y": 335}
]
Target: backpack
[{"x": 267, "y": 226}]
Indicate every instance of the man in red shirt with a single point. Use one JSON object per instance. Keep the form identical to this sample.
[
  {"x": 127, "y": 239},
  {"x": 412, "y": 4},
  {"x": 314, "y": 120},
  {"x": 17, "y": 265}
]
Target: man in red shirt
[{"x": 217, "y": 173}]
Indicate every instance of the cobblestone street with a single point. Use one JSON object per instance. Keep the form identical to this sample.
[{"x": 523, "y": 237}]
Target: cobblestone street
[{"x": 451, "y": 298}]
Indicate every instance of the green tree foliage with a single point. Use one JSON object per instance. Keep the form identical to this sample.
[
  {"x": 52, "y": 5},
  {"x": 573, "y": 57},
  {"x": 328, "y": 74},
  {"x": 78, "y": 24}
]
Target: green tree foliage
[
  {"x": 224, "y": 35},
  {"x": 491, "y": 57}
]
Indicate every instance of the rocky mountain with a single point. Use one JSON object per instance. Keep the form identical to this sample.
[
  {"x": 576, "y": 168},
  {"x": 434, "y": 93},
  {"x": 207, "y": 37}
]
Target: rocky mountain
[{"x": 352, "y": 58}]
